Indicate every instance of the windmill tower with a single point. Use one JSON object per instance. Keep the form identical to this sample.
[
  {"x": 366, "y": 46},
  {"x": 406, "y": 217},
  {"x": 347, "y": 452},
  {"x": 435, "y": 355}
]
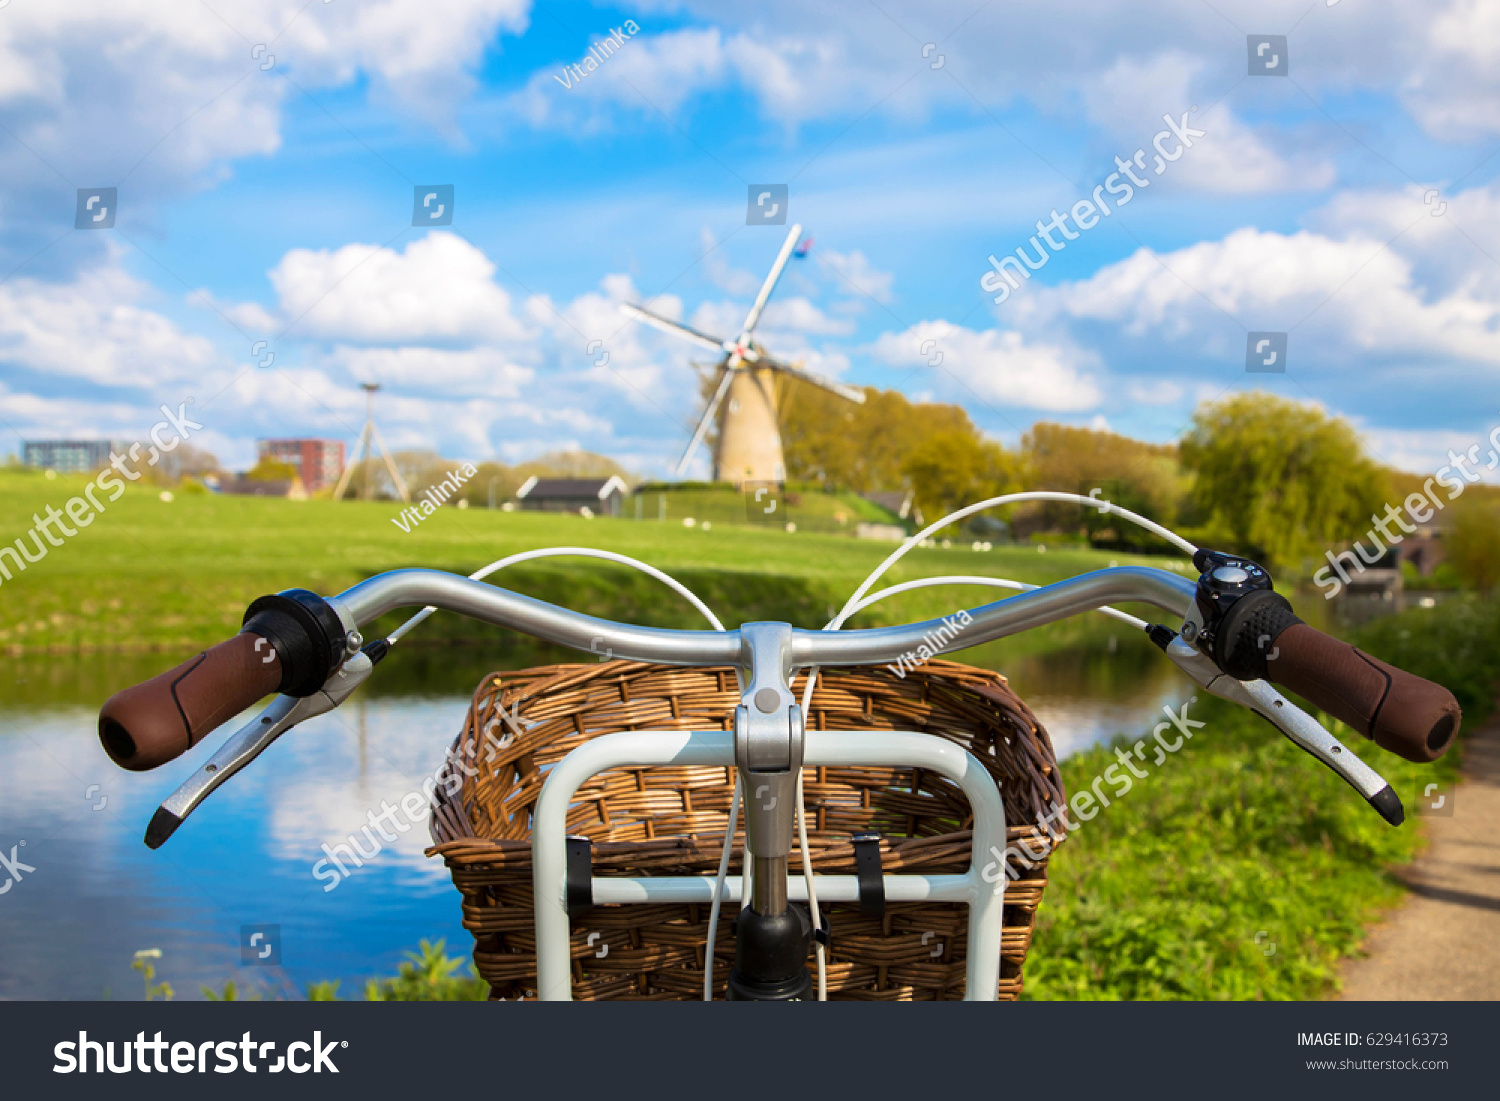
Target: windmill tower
[
  {"x": 749, "y": 443},
  {"x": 369, "y": 436}
]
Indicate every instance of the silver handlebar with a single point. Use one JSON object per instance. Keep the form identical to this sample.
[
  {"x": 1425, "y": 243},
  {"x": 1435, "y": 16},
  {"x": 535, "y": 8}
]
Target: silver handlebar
[
  {"x": 970, "y": 627},
  {"x": 408, "y": 588}
]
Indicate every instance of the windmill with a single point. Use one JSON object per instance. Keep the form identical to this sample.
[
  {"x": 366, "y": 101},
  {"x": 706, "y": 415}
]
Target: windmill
[
  {"x": 749, "y": 443},
  {"x": 369, "y": 436}
]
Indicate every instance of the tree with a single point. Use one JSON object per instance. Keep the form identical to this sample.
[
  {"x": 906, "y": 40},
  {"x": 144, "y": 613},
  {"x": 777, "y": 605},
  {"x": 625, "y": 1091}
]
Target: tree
[
  {"x": 949, "y": 470},
  {"x": 1473, "y": 543},
  {"x": 183, "y": 461},
  {"x": 573, "y": 463},
  {"x": 1283, "y": 480},
  {"x": 1142, "y": 477},
  {"x": 862, "y": 448},
  {"x": 491, "y": 482},
  {"x": 271, "y": 470},
  {"x": 419, "y": 470}
]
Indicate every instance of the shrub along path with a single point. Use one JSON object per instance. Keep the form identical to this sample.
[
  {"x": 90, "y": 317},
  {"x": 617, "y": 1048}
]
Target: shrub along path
[{"x": 1443, "y": 943}]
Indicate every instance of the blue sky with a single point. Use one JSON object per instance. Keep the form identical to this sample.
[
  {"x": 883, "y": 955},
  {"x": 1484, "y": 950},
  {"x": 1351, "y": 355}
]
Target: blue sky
[{"x": 1351, "y": 203}]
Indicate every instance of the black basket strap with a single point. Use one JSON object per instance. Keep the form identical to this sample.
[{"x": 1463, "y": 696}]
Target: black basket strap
[
  {"x": 580, "y": 892},
  {"x": 871, "y": 874}
]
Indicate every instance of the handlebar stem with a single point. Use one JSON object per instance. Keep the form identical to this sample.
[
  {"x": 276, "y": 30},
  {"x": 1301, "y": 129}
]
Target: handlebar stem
[{"x": 768, "y": 739}]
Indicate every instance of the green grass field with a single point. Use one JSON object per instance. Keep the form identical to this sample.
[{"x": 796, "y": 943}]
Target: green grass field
[{"x": 149, "y": 574}]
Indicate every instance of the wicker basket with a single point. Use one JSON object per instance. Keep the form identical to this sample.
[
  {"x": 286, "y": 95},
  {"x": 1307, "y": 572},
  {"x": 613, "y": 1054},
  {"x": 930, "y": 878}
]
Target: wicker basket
[{"x": 671, "y": 821}]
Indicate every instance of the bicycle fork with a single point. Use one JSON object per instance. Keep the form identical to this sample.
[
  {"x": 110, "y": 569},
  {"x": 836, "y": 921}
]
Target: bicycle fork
[{"x": 772, "y": 936}]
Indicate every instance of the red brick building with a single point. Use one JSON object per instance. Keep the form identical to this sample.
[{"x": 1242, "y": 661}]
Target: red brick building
[{"x": 318, "y": 462}]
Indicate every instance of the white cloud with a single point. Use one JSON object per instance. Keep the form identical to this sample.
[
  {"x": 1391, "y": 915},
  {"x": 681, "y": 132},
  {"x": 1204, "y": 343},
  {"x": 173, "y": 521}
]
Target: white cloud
[
  {"x": 70, "y": 417},
  {"x": 651, "y": 73},
  {"x": 439, "y": 289},
  {"x": 1349, "y": 296},
  {"x": 1454, "y": 89},
  {"x": 253, "y": 318},
  {"x": 1426, "y": 452},
  {"x": 95, "y": 328},
  {"x": 804, "y": 62},
  {"x": 155, "y": 96},
  {"x": 997, "y": 365},
  {"x": 798, "y": 314}
]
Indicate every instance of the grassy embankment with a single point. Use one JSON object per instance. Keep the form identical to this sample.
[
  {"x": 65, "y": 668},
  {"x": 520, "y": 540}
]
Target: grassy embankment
[{"x": 177, "y": 576}]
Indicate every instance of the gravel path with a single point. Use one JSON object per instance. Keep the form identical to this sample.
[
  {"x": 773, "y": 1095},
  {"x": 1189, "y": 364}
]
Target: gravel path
[{"x": 1443, "y": 943}]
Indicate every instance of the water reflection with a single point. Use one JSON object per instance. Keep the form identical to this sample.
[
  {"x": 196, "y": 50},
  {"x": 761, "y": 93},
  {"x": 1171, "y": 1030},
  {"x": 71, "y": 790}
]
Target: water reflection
[{"x": 1089, "y": 695}]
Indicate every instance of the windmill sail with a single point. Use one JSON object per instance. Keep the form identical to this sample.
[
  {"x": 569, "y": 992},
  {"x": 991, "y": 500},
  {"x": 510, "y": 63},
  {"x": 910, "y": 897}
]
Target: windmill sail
[
  {"x": 667, "y": 325},
  {"x": 749, "y": 447},
  {"x": 705, "y": 420}
]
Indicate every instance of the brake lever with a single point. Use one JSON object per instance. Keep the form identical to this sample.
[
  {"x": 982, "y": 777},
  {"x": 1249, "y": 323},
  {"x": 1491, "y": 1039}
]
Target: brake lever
[
  {"x": 1300, "y": 727},
  {"x": 247, "y": 743}
]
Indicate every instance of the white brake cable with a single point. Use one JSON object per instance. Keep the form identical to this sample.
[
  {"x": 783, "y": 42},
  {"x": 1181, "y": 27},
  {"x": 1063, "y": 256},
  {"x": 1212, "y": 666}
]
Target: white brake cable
[
  {"x": 1015, "y": 498},
  {"x": 681, "y": 589},
  {"x": 859, "y": 601}
]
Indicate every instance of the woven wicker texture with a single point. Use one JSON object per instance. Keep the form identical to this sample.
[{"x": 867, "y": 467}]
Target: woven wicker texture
[{"x": 671, "y": 821}]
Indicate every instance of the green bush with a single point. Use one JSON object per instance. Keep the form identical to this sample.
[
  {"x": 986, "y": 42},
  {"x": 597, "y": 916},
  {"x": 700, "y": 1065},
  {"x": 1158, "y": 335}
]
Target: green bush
[
  {"x": 430, "y": 975},
  {"x": 1474, "y": 543}
]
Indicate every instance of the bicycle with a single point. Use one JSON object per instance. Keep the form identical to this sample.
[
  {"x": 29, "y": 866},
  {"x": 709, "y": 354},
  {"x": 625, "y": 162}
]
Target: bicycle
[{"x": 1236, "y": 639}]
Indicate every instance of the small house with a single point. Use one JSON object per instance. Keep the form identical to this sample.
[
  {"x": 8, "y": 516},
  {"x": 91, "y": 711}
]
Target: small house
[{"x": 586, "y": 496}]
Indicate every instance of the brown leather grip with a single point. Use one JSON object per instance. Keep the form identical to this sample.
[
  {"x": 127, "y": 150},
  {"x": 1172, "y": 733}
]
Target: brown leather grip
[
  {"x": 164, "y": 717},
  {"x": 1411, "y": 717}
]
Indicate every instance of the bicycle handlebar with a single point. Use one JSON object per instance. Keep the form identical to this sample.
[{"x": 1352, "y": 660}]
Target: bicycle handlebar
[{"x": 309, "y": 637}]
